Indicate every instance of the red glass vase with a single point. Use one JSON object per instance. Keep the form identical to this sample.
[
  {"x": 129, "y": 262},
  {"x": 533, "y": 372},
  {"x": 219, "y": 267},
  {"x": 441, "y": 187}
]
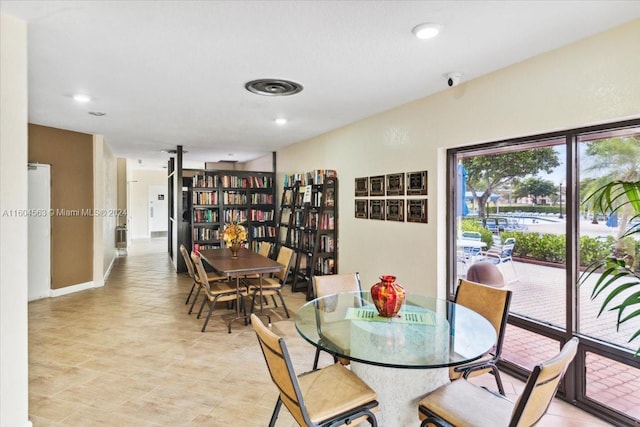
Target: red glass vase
[{"x": 388, "y": 296}]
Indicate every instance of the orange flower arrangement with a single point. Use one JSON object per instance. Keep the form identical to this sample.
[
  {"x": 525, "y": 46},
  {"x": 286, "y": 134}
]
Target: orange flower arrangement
[{"x": 234, "y": 233}]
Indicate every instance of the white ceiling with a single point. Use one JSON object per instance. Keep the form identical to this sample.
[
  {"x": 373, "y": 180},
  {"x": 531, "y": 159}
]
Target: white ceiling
[{"x": 170, "y": 73}]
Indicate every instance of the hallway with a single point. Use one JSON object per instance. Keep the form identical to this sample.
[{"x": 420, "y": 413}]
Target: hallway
[{"x": 128, "y": 354}]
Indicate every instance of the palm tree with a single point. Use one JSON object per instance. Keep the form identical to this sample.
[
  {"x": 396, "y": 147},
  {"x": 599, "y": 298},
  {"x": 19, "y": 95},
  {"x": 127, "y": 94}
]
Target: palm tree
[
  {"x": 619, "y": 282},
  {"x": 620, "y": 157}
]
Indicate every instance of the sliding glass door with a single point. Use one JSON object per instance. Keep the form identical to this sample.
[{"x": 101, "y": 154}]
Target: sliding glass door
[{"x": 533, "y": 192}]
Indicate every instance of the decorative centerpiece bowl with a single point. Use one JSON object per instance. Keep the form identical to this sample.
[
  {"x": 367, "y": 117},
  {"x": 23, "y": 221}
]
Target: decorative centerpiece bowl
[
  {"x": 388, "y": 296},
  {"x": 235, "y": 247}
]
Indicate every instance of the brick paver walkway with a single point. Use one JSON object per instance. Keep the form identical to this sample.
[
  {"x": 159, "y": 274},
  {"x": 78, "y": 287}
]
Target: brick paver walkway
[{"x": 539, "y": 293}]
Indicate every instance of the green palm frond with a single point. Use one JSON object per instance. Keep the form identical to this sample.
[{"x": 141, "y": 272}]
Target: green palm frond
[{"x": 616, "y": 280}]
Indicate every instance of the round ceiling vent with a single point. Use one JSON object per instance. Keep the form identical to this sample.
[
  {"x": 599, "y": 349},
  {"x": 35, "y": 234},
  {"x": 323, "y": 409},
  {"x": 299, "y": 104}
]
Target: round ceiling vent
[{"x": 273, "y": 87}]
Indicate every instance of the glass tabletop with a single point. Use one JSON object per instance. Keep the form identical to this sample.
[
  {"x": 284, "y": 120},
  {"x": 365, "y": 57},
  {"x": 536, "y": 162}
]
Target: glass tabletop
[{"x": 427, "y": 332}]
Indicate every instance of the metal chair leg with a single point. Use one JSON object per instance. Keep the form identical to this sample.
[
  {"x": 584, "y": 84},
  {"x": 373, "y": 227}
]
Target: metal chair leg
[
  {"x": 190, "y": 292},
  {"x": 211, "y": 306},
  {"x": 276, "y": 411},
  {"x": 496, "y": 374},
  {"x": 195, "y": 298},
  {"x": 283, "y": 304},
  {"x": 316, "y": 358}
]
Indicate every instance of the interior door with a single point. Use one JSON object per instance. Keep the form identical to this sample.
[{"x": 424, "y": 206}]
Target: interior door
[{"x": 39, "y": 235}]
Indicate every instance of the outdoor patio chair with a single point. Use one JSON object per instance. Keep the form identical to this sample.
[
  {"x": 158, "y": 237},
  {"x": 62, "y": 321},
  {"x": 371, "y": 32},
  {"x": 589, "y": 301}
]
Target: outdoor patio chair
[
  {"x": 462, "y": 403},
  {"x": 493, "y": 304},
  {"x": 331, "y": 396},
  {"x": 501, "y": 256},
  {"x": 333, "y": 284},
  {"x": 471, "y": 252}
]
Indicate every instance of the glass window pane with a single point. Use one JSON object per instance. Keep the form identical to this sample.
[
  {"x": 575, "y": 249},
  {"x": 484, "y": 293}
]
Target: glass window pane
[
  {"x": 613, "y": 384},
  {"x": 513, "y": 215},
  {"x": 606, "y": 157},
  {"x": 527, "y": 349}
]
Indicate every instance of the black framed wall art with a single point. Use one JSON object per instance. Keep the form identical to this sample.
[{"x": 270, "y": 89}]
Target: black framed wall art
[
  {"x": 376, "y": 209},
  {"x": 417, "y": 183},
  {"x": 395, "y": 184},
  {"x": 395, "y": 210},
  {"x": 362, "y": 187},
  {"x": 362, "y": 210},
  {"x": 376, "y": 185},
  {"x": 417, "y": 210}
]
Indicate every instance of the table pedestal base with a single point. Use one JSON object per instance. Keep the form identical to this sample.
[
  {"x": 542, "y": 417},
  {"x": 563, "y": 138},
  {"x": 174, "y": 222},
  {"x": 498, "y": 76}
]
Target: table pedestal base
[{"x": 399, "y": 390}]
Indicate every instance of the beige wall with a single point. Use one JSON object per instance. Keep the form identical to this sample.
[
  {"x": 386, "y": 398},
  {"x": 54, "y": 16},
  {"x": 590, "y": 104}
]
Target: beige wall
[
  {"x": 70, "y": 155},
  {"x": 592, "y": 81},
  {"x": 261, "y": 164},
  {"x": 14, "y": 391}
]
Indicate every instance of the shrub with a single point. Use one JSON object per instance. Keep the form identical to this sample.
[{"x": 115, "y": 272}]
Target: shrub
[{"x": 473, "y": 225}]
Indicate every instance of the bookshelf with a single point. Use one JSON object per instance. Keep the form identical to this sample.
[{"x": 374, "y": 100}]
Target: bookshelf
[
  {"x": 219, "y": 197},
  {"x": 308, "y": 224}
]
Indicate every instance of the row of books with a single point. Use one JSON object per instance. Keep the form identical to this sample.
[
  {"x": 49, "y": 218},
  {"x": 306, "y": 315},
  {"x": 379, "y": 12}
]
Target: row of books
[
  {"x": 206, "y": 215},
  {"x": 258, "y": 215},
  {"x": 204, "y": 233},
  {"x": 326, "y": 243},
  {"x": 261, "y": 199},
  {"x": 205, "y": 181},
  {"x": 232, "y": 181},
  {"x": 316, "y": 176},
  {"x": 235, "y": 215},
  {"x": 231, "y": 198},
  {"x": 325, "y": 265},
  {"x": 205, "y": 198},
  {"x": 328, "y": 221},
  {"x": 262, "y": 231}
]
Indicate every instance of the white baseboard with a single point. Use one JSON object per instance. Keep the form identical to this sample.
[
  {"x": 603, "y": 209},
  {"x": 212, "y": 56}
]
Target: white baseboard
[{"x": 76, "y": 288}]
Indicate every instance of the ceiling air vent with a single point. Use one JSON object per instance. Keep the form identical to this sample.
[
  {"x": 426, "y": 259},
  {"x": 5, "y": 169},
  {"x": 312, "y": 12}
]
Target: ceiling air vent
[{"x": 273, "y": 87}]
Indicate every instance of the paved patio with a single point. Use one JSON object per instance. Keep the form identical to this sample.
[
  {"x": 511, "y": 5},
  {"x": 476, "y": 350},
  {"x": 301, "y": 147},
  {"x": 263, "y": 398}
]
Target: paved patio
[{"x": 539, "y": 293}]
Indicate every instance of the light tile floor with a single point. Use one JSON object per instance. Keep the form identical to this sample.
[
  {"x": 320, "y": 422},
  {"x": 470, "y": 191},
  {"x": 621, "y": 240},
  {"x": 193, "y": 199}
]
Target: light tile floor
[{"x": 128, "y": 354}]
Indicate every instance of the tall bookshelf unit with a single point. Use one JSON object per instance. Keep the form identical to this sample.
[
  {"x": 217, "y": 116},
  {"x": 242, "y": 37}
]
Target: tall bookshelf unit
[
  {"x": 219, "y": 197},
  {"x": 308, "y": 224}
]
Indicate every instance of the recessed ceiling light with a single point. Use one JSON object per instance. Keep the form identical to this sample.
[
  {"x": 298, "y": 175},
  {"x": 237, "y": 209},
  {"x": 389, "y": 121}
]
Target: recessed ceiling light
[
  {"x": 426, "y": 31},
  {"x": 80, "y": 97},
  {"x": 281, "y": 121}
]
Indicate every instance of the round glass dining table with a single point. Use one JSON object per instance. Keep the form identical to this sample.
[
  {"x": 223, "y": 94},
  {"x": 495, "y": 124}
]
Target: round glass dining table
[{"x": 403, "y": 357}]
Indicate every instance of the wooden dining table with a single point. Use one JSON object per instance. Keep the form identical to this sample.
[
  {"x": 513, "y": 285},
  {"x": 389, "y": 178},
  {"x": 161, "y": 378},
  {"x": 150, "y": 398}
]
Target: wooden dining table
[{"x": 247, "y": 263}]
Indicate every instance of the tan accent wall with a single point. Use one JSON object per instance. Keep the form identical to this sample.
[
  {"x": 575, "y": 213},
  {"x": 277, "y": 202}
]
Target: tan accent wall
[{"x": 70, "y": 155}]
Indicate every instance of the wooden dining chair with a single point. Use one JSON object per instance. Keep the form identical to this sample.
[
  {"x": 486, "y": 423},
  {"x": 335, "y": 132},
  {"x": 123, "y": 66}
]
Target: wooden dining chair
[
  {"x": 332, "y": 396},
  {"x": 272, "y": 286},
  {"x": 333, "y": 284},
  {"x": 493, "y": 304},
  {"x": 461, "y": 403},
  {"x": 214, "y": 292},
  {"x": 211, "y": 277}
]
